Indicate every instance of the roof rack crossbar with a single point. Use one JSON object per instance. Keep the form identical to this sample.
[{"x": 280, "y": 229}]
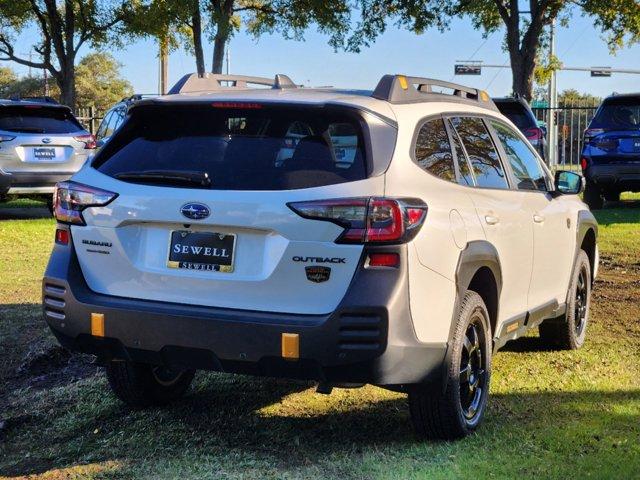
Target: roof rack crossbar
[
  {"x": 406, "y": 89},
  {"x": 213, "y": 82}
]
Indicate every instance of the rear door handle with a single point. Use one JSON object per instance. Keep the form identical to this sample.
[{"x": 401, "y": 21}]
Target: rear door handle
[
  {"x": 538, "y": 218},
  {"x": 491, "y": 220}
]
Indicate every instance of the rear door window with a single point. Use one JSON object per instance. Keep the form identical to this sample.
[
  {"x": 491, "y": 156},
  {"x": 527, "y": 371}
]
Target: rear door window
[
  {"x": 433, "y": 151},
  {"x": 524, "y": 163},
  {"x": 482, "y": 154},
  {"x": 37, "y": 119},
  {"x": 252, "y": 147},
  {"x": 465, "y": 177}
]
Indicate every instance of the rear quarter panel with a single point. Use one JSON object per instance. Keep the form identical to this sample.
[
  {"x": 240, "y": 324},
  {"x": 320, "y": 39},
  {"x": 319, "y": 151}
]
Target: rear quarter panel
[{"x": 451, "y": 223}]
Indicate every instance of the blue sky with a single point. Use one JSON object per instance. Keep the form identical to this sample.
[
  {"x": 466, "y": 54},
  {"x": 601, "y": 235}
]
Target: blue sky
[{"x": 432, "y": 54}]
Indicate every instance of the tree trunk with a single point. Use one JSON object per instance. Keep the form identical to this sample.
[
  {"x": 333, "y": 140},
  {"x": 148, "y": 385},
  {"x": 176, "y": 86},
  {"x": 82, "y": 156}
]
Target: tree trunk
[
  {"x": 196, "y": 22},
  {"x": 523, "y": 49},
  {"x": 222, "y": 18},
  {"x": 523, "y": 67},
  {"x": 219, "y": 44},
  {"x": 66, "y": 80}
]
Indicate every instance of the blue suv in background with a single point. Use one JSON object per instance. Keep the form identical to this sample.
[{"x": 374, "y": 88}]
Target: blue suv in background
[{"x": 611, "y": 154}]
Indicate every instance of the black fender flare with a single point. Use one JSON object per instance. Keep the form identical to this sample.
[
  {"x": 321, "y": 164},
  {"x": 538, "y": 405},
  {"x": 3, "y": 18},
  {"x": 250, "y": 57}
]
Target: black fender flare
[
  {"x": 585, "y": 222},
  {"x": 476, "y": 255}
]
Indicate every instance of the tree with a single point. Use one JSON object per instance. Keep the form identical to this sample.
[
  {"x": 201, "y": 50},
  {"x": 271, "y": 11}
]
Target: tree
[
  {"x": 619, "y": 20},
  {"x": 194, "y": 21},
  {"x": 289, "y": 17},
  {"x": 98, "y": 81},
  {"x": 65, "y": 26},
  {"x": 574, "y": 98}
]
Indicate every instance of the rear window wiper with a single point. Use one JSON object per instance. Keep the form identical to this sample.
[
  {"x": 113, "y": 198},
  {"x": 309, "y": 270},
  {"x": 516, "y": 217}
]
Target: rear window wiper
[{"x": 179, "y": 177}]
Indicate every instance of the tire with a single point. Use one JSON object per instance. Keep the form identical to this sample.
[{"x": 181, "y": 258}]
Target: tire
[
  {"x": 139, "y": 385},
  {"x": 612, "y": 196},
  {"x": 593, "y": 197},
  {"x": 456, "y": 410},
  {"x": 569, "y": 331}
]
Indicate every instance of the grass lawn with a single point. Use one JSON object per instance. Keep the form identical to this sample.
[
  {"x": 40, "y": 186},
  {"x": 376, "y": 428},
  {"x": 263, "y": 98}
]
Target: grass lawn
[{"x": 551, "y": 415}]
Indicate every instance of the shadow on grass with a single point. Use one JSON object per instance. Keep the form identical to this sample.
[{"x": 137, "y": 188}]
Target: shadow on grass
[
  {"x": 626, "y": 211},
  {"x": 527, "y": 344},
  {"x": 232, "y": 417}
]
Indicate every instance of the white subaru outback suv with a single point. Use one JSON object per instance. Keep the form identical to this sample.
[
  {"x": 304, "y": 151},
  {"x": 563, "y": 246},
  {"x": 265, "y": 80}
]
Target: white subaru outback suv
[{"x": 403, "y": 260}]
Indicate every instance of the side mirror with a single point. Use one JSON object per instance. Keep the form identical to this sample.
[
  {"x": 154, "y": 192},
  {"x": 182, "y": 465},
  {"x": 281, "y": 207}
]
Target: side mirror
[{"x": 569, "y": 183}]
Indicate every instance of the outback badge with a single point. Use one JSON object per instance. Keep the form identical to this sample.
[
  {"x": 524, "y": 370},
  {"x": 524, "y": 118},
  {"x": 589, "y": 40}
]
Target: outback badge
[{"x": 318, "y": 274}]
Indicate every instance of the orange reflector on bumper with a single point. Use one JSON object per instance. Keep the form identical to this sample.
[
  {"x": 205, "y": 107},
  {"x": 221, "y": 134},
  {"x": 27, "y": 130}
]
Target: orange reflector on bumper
[
  {"x": 97, "y": 324},
  {"x": 291, "y": 346}
]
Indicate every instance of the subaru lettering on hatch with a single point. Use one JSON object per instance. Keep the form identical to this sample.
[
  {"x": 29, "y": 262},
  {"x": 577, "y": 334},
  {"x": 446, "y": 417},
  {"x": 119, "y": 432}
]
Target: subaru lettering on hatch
[{"x": 195, "y": 211}]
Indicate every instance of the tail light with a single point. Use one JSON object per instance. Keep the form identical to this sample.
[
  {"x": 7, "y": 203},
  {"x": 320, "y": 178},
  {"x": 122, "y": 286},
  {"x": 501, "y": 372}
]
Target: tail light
[
  {"x": 62, "y": 236},
  {"x": 88, "y": 140},
  {"x": 590, "y": 133},
  {"x": 71, "y": 198},
  {"x": 368, "y": 220},
  {"x": 584, "y": 163},
  {"x": 533, "y": 134},
  {"x": 388, "y": 260}
]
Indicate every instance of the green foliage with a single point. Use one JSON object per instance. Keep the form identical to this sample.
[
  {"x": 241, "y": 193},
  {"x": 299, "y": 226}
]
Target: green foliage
[
  {"x": 618, "y": 20},
  {"x": 98, "y": 81},
  {"x": 544, "y": 70},
  {"x": 572, "y": 97},
  {"x": 219, "y": 20},
  {"x": 63, "y": 28}
]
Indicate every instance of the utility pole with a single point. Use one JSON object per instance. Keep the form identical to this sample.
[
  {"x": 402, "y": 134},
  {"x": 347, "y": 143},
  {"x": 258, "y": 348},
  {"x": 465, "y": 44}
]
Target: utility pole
[
  {"x": 163, "y": 80},
  {"x": 553, "y": 103},
  {"x": 228, "y": 59}
]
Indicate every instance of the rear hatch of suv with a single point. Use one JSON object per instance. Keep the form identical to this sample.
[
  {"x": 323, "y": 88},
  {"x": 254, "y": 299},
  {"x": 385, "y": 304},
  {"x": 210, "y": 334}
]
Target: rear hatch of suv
[
  {"x": 203, "y": 210},
  {"x": 41, "y": 138},
  {"x": 613, "y": 135},
  {"x": 522, "y": 117}
]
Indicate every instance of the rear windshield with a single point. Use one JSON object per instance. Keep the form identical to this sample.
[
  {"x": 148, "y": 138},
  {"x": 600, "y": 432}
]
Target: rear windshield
[
  {"x": 518, "y": 114},
  {"x": 255, "y": 147},
  {"x": 618, "y": 113},
  {"x": 35, "y": 119}
]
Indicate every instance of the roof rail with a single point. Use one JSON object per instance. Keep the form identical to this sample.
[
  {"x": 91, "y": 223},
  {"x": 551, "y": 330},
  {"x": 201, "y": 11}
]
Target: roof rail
[
  {"x": 405, "y": 89},
  {"x": 213, "y": 82}
]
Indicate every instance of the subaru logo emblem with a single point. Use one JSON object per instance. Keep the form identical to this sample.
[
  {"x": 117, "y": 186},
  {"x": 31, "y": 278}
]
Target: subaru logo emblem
[
  {"x": 195, "y": 211},
  {"x": 46, "y": 140}
]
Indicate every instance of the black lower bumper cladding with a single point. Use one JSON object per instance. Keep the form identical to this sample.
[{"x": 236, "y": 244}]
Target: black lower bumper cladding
[
  {"x": 368, "y": 339},
  {"x": 621, "y": 176}
]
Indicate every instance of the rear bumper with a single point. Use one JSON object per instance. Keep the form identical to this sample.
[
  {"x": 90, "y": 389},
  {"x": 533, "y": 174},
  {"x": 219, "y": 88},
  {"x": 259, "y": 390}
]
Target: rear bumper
[
  {"x": 31, "y": 182},
  {"x": 368, "y": 339},
  {"x": 619, "y": 176}
]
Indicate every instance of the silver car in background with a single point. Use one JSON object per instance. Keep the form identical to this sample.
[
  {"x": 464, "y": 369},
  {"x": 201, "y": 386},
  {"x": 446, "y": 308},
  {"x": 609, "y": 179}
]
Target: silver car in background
[{"x": 41, "y": 143}]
